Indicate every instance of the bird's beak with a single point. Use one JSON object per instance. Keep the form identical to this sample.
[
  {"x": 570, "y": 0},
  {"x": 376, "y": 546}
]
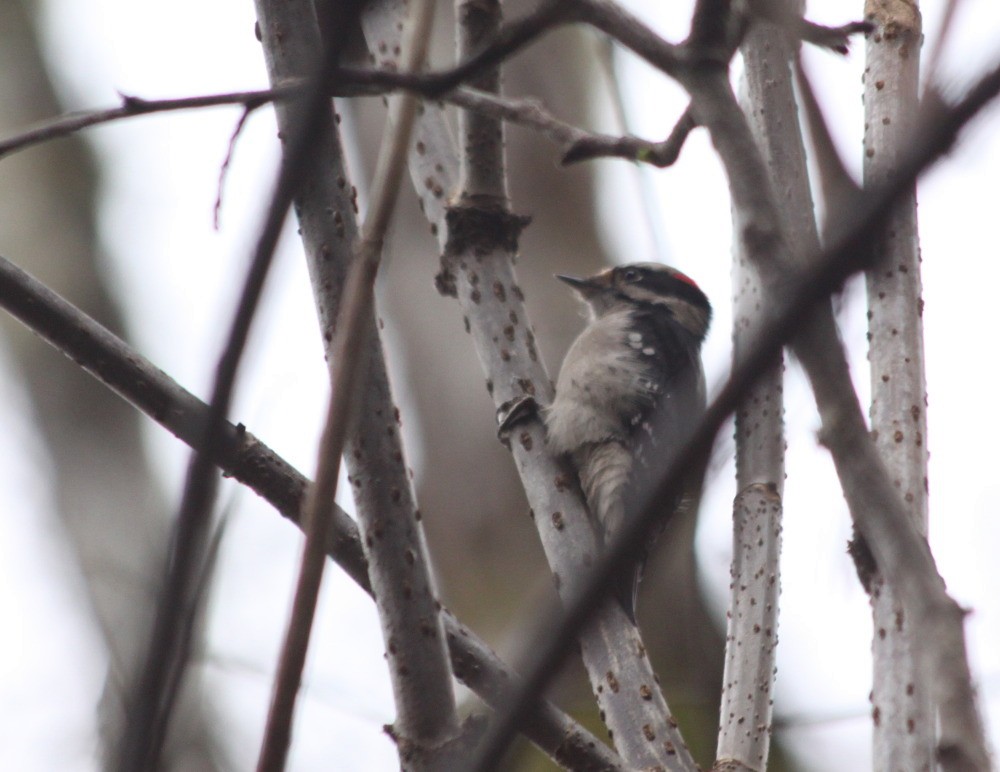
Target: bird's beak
[{"x": 589, "y": 286}]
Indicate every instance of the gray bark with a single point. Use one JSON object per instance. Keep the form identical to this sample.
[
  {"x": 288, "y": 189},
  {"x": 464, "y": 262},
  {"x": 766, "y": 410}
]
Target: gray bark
[{"x": 903, "y": 716}]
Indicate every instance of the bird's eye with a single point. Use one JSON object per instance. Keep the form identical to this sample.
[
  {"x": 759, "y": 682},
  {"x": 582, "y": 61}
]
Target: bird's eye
[{"x": 631, "y": 275}]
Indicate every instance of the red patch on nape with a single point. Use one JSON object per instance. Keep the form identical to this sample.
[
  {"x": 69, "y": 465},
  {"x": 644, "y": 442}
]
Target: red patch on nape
[{"x": 685, "y": 278}]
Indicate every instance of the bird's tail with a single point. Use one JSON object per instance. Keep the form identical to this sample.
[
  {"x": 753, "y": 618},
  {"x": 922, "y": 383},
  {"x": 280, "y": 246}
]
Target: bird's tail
[{"x": 626, "y": 587}]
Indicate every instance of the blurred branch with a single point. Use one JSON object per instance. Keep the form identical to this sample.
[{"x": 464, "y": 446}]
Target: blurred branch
[
  {"x": 151, "y": 703},
  {"x": 398, "y": 564},
  {"x": 99, "y": 478},
  {"x": 244, "y": 458},
  {"x": 424, "y": 700},
  {"x": 132, "y": 107},
  {"x": 788, "y": 16},
  {"x": 945, "y": 28},
  {"x": 653, "y": 214},
  {"x": 900, "y": 552},
  {"x": 833, "y": 179},
  {"x": 873, "y": 502},
  {"x": 577, "y": 144}
]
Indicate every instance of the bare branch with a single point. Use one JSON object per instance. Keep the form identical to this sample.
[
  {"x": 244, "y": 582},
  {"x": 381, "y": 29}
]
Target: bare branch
[
  {"x": 483, "y": 172},
  {"x": 223, "y": 170},
  {"x": 946, "y": 26},
  {"x": 247, "y": 460},
  {"x": 421, "y": 732},
  {"x": 746, "y": 710},
  {"x": 510, "y": 39},
  {"x": 604, "y": 15},
  {"x": 905, "y": 729},
  {"x": 660, "y": 154},
  {"x": 151, "y": 702},
  {"x": 577, "y": 144},
  {"x": 751, "y": 633},
  {"x": 788, "y": 16},
  {"x": 796, "y": 304},
  {"x": 878, "y": 511},
  {"x": 376, "y": 463},
  {"x": 132, "y": 107},
  {"x": 836, "y": 184}
]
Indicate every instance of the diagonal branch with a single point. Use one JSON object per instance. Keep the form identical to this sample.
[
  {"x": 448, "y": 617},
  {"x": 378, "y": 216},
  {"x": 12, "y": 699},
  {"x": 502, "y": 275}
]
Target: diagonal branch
[
  {"x": 901, "y": 553},
  {"x": 166, "y": 657},
  {"x": 422, "y": 733},
  {"x": 377, "y": 470},
  {"x": 247, "y": 460},
  {"x": 132, "y": 107},
  {"x": 899, "y": 549},
  {"x": 659, "y": 154}
]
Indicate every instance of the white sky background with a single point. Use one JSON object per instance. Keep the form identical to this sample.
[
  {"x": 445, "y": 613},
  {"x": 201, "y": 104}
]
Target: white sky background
[{"x": 161, "y": 175}]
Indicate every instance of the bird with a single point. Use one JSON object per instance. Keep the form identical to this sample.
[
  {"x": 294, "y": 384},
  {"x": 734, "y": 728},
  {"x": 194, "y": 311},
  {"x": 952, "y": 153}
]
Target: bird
[{"x": 631, "y": 388}]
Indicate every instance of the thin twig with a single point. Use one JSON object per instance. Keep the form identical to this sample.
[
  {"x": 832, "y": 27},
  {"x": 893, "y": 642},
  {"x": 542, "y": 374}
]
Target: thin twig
[
  {"x": 512, "y": 38},
  {"x": 316, "y": 515},
  {"x": 659, "y": 154},
  {"x": 644, "y": 179},
  {"x": 240, "y": 124},
  {"x": 933, "y": 59},
  {"x": 577, "y": 144},
  {"x": 131, "y": 107},
  {"x": 835, "y": 181},
  {"x": 788, "y": 16}
]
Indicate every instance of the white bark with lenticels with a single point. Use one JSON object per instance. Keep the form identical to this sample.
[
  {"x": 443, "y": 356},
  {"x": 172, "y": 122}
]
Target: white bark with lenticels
[{"x": 902, "y": 713}]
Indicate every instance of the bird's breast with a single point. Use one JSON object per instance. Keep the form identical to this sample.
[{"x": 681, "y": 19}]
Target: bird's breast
[{"x": 605, "y": 381}]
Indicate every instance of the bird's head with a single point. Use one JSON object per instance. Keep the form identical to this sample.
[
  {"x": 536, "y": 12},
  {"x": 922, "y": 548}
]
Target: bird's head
[{"x": 651, "y": 287}]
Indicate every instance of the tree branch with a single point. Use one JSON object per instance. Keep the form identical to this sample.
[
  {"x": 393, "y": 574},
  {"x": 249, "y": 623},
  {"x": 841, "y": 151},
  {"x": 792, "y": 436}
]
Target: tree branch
[
  {"x": 752, "y": 623},
  {"x": 903, "y": 734},
  {"x": 477, "y": 269},
  {"x": 377, "y": 469},
  {"x": 151, "y": 702},
  {"x": 797, "y": 303},
  {"x": 659, "y": 154},
  {"x": 131, "y": 107},
  {"x": 247, "y": 460},
  {"x": 577, "y": 144},
  {"x": 878, "y": 511},
  {"x": 426, "y": 720}
]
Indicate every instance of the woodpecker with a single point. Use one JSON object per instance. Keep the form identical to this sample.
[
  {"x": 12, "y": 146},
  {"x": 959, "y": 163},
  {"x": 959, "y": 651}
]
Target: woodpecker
[{"x": 630, "y": 389}]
